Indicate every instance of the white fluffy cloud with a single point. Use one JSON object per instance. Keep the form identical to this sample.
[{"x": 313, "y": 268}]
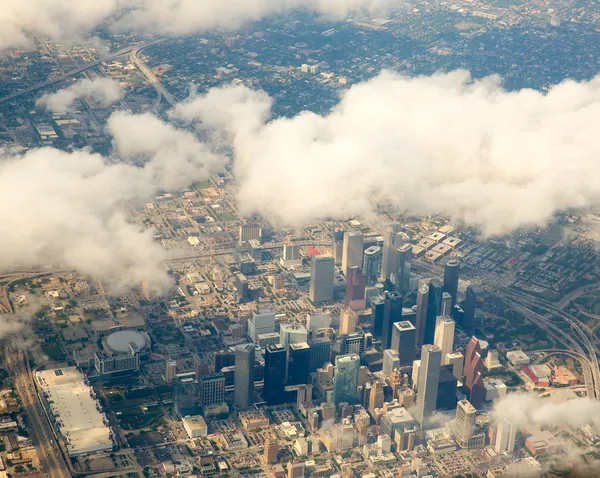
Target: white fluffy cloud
[
  {"x": 62, "y": 20},
  {"x": 102, "y": 91},
  {"x": 438, "y": 144},
  {"x": 66, "y": 208}
]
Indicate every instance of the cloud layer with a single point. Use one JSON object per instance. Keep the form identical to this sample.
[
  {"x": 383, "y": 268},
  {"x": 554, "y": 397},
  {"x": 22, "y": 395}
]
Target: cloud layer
[
  {"x": 63, "y": 20},
  {"x": 65, "y": 208},
  {"x": 438, "y": 144},
  {"x": 102, "y": 91}
]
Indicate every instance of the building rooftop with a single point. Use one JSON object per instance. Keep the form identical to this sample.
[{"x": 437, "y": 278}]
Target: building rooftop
[
  {"x": 75, "y": 409},
  {"x": 118, "y": 342}
]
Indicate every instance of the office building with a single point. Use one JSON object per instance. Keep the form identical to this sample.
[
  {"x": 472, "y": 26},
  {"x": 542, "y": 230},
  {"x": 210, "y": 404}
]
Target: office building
[
  {"x": 376, "y": 397},
  {"x": 352, "y": 344},
  {"x": 298, "y": 363},
  {"x": 170, "y": 370},
  {"x": 356, "y": 283},
  {"x": 195, "y": 426},
  {"x": 271, "y": 450},
  {"x": 321, "y": 279},
  {"x": 392, "y": 313},
  {"x": 428, "y": 381},
  {"x": 474, "y": 368},
  {"x": 401, "y": 277},
  {"x": 261, "y": 322},
  {"x": 377, "y": 311},
  {"x": 345, "y": 379},
  {"x": 318, "y": 321},
  {"x": 241, "y": 284},
  {"x": 451, "y": 276},
  {"x": 320, "y": 352},
  {"x": 506, "y": 436},
  {"x": 291, "y": 256},
  {"x": 444, "y": 336},
  {"x": 457, "y": 361},
  {"x": 371, "y": 264},
  {"x": 249, "y": 232},
  {"x": 211, "y": 389},
  {"x": 337, "y": 245},
  {"x": 447, "y": 386},
  {"x": 352, "y": 250},
  {"x": 275, "y": 365},
  {"x": 295, "y": 470},
  {"x": 421, "y": 318},
  {"x": 391, "y": 361},
  {"x": 244, "y": 375},
  {"x": 403, "y": 341},
  {"x": 434, "y": 307},
  {"x": 473, "y": 301},
  {"x": 292, "y": 333},
  {"x": 224, "y": 359},
  {"x": 388, "y": 263},
  {"x": 464, "y": 427},
  {"x": 397, "y": 420},
  {"x": 447, "y": 307},
  {"x": 348, "y": 321}
]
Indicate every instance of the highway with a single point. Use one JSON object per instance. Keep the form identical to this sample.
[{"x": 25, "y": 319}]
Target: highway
[
  {"x": 151, "y": 77},
  {"x": 39, "y": 429},
  {"x": 79, "y": 70}
]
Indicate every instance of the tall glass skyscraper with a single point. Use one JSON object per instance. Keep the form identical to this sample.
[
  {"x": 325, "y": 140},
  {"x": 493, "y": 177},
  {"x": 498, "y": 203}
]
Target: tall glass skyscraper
[
  {"x": 345, "y": 379},
  {"x": 244, "y": 375}
]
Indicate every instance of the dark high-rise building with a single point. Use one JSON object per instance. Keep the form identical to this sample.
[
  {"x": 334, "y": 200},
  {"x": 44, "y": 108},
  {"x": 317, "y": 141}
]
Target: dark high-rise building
[
  {"x": 428, "y": 382},
  {"x": 243, "y": 375},
  {"x": 299, "y": 361},
  {"x": 473, "y": 382},
  {"x": 403, "y": 342},
  {"x": 353, "y": 344},
  {"x": 392, "y": 313},
  {"x": 446, "y": 398},
  {"x": 377, "y": 308},
  {"x": 337, "y": 244},
  {"x": 275, "y": 360},
  {"x": 403, "y": 268},
  {"x": 224, "y": 359},
  {"x": 451, "y": 275},
  {"x": 320, "y": 352},
  {"x": 211, "y": 389},
  {"x": 388, "y": 263},
  {"x": 434, "y": 307},
  {"x": 473, "y": 300},
  {"x": 421, "y": 319},
  {"x": 356, "y": 282},
  {"x": 371, "y": 264}
]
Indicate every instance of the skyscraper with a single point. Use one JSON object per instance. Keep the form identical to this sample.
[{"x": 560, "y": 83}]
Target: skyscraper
[
  {"x": 352, "y": 344},
  {"x": 356, "y": 282},
  {"x": 506, "y": 436},
  {"x": 348, "y": 321},
  {"x": 403, "y": 341},
  {"x": 275, "y": 363},
  {"x": 391, "y": 361},
  {"x": 345, "y": 379},
  {"x": 261, "y": 322},
  {"x": 446, "y": 308},
  {"x": 474, "y": 367},
  {"x": 392, "y": 313},
  {"x": 352, "y": 251},
  {"x": 421, "y": 320},
  {"x": 447, "y": 386},
  {"x": 371, "y": 263},
  {"x": 376, "y": 396},
  {"x": 298, "y": 363},
  {"x": 444, "y": 336},
  {"x": 337, "y": 244},
  {"x": 243, "y": 376},
  {"x": 271, "y": 450},
  {"x": 403, "y": 268},
  {"x": 320, "y": 352},
  {"x": 473, "y": 300},
  {"x": 388, "y": 263},
  {"x": 170, "y": 370},
  {"x": 451, "y": 275},
  {"x": 428, "y": 381},
  {"x": 321, "y": 279},
  {"x": 464, "y": 427},
  {"x": 377, "y": 311},
  {"x": 211, "y": 389},
  {"x": 434, "y": 307}
]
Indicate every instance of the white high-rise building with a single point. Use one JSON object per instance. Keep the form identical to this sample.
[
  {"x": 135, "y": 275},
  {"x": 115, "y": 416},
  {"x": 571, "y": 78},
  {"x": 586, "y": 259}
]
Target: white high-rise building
[
  {"x": 292, "y": 334},
  {"x": 429, "y": 377},
  {"x": 464, "y": 428},
  {"x": 506, "y": 435},
  {"x": 261, "y": 322},
  {"x": 321, "y": 279},
  {"x": 391, "y": 361},
  {"x": 352, "y": 250},
  {"x": 444, "y": 336},
  {"x": 318, "y": 321},
  {"x": 457, "y": 360},
  {"x": 291, "y": 256}
]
